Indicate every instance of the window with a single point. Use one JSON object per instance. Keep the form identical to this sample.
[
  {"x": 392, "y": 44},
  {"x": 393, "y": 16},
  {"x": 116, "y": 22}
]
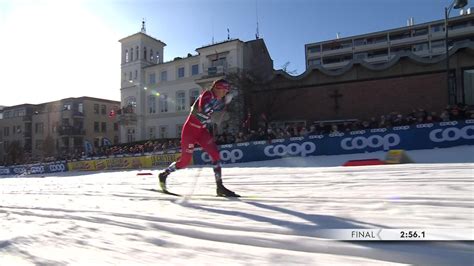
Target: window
[
  {"x": 131, "y": 54},
  {"x": 137, "y": 52},
  {"x": 151, "y": 55},
  {"x": 80, "y": 108},
  {"x": 163, "y": 132},
  {"x": 314, "y": 49},
  {"x": 219, "y": 62},
  {"x": 157, "y": 57},
  {"x": 151, "y": 104},
  {"x": 193, "y": 95},
  {"x": 194, "y": 69},
  {"x": 314, "y": 62},
  {"x": 126, "y": 55},
  {"x": 66, "y": 106},
  {"x": 152, "y": 78},
  {"x": 6, "y": 131},
  {"x": 436, "y": 28},
  {"x": 468, "y": 82},
  {"x": 103, "y": 127},
  {"x": 144, "y": 53},
  {"x": 131, "y": 135},
  {"x": 181, "y": 72},
  {"x": 420, "y": 32},
  {"x": 116, "y": 140},
  {"x": 180, "y": 101},
  {"x": 96, "y": 126},
  {"x": 96, "y": 108},
  {"x": 116, "y": 126},
  {"x": 136, "y": 74},
  {"x": 103, "y": 109},
  {"x": 164, "y": 75},
  {"x": 163, "y": 103},
  {"x": 151, "y": 133},
  {"x": 39, "y": 128},
  {"x": 130, "y": 77}
]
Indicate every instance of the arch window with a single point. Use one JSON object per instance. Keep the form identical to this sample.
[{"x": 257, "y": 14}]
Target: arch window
[{"x": 152, "y": 104}]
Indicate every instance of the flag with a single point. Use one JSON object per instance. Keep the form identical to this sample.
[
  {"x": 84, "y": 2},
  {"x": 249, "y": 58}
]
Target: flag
[
  {"x": 106, "y": 142},
  {"x": 87, "y": 147}
]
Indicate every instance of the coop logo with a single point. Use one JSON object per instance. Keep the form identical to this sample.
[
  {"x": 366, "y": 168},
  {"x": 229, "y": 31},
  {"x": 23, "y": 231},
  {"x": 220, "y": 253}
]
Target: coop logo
[
  {"x": 374, "y": 141},
  {"x": 19, "y": 170},
  {"x": 232, "y": 156},
  {"x": 452, "y": 134},
  {"x": 302, "y": 149},
  {"x": 4, "y": 171},
  {"x": 57, "y": 167},
  {"x": 39, "y": 169}
]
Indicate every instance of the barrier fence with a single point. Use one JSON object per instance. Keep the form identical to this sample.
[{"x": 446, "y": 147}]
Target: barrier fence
[{"x": 415, "y": 137}]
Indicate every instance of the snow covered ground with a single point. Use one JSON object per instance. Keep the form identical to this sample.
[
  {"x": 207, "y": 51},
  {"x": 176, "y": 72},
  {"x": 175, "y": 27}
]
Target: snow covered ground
[{"x": 113, "y": 218}]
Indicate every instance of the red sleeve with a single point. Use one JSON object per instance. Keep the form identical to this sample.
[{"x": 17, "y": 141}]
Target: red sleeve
[{"x": 206, "y": 96}]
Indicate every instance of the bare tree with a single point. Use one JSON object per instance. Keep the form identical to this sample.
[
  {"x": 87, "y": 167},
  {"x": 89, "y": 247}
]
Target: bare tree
[{"x": 15, "y": 153}]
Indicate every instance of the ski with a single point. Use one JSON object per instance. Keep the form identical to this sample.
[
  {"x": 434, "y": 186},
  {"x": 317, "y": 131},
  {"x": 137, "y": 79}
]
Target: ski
[
  {"x": 164, "y": 192},
  {"x": 197, "y": 196}
]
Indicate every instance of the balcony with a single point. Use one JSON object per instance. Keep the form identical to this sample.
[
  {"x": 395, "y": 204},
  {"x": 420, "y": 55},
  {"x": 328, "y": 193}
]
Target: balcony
[
  {"x": 409, "y": 40},
  {"x": 212, "y": 71},
  {"x": 71, "y": 131},
  {"x": 126, "y": 119}
]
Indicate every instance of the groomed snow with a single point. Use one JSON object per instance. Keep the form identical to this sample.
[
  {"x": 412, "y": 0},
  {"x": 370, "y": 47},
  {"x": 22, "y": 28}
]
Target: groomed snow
[{"x": 81, "y": 218}]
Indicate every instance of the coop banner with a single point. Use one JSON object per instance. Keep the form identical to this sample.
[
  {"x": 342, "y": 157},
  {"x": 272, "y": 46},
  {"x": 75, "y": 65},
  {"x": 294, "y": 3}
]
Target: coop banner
[
  {"x": 415, "y": 137},
  {"x": 32, "y": 169}
]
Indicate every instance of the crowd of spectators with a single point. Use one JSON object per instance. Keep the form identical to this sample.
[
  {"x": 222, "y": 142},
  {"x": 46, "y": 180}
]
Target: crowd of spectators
[
  {"x": 394, "y": 119},
  {"x": 268, "y": 132}
]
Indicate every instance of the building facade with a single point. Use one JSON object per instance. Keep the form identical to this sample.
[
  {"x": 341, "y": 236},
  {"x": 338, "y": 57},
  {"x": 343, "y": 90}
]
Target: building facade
[
  {"x": 375, "y": 74},
  {"x": 58, "y": 129},
  {"x": 425, "y": 40},
  {"x": 156, "y": 96}
]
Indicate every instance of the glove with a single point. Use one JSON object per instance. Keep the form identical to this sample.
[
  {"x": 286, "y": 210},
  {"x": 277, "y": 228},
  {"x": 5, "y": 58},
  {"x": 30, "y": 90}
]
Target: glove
[{"x": 229, "y": 96}]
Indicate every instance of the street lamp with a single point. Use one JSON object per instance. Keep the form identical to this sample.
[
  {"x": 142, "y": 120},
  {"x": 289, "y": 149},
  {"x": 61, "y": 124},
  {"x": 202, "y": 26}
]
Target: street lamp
[{"x": 456, "y": 4}]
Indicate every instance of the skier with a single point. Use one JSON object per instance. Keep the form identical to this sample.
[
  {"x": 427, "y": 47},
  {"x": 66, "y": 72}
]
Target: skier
[{"x": 196, "y": 130}]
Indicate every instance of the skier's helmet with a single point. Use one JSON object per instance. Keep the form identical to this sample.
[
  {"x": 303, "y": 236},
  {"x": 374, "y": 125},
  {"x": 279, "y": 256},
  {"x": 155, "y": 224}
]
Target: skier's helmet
[{"x": 221, "y": 84}]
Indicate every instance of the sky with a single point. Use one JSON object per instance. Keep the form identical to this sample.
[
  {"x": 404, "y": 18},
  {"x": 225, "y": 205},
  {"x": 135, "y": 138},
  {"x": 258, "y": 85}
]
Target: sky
[
  {"x": 293, "y": 212},
  {"x": 54, "y": 49}
]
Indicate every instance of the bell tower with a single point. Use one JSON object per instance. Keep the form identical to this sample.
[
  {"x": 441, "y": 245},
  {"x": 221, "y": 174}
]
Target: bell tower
[{"x": 138, "y": 51}]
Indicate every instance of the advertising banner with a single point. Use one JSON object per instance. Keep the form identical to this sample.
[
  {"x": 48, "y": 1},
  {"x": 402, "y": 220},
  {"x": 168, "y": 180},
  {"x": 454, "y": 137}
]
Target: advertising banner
[{"x": 416, "y": 137}]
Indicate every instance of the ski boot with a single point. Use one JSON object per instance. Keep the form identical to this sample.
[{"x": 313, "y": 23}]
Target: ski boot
[
  {"x": 222, "y": 191},
  {"x": 162, "y": 177}
]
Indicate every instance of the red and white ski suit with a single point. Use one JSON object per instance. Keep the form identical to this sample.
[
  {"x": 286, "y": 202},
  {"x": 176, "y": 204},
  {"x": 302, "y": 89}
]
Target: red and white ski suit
[{"x": 194, "y": 129}]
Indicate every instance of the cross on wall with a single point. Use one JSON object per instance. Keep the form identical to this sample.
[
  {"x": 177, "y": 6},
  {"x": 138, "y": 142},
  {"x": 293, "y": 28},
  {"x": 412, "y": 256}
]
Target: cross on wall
[{"x": 336, "y": 95}]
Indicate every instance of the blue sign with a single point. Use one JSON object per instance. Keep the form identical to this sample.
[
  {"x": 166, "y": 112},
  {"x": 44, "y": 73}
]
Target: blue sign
[
  {"x": 416, "y": 137},
  {"x": 33, "y": 169}
]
